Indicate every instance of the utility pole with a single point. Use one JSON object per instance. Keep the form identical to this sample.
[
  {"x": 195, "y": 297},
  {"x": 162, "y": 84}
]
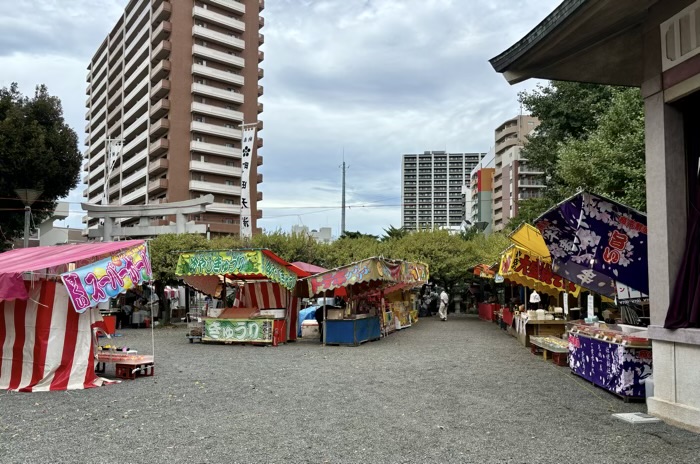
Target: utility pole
[{"x": 342, "y": 216}]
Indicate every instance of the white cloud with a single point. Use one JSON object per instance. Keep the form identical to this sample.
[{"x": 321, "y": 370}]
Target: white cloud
[{"x": 372, "y": 78}]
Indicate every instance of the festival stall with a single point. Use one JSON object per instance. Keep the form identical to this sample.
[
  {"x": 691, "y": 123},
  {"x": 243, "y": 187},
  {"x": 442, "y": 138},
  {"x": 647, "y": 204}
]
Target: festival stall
[
  {"x": 48, "y": 311},
  {"x": 527, "y": 263},
  {"x": 363, "y": 317},
  {"x": 400, "y": 299},
  {"x": 486, "y": 311},
  {"x": 602, "y": 246},
  {"x": 266, "y": 305}
]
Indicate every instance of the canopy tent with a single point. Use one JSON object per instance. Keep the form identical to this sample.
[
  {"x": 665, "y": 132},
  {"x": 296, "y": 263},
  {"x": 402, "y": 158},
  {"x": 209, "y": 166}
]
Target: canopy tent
[
  {"x": 362, "y": 276},
  {"x": 52, "y": 260},
  {"x": 518, "y": 266},
  {"x": 267, "y": 281},
  {"x": 484, "y": 271},
  {"x": 310, "y": 268},
  {"x": 596, "y": 243},
  {"x": 529, "y": 238},
  {"x": 47, "y": 325}
]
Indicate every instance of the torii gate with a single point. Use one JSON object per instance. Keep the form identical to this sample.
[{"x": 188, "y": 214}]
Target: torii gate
[{"x": 179, "y": 209}]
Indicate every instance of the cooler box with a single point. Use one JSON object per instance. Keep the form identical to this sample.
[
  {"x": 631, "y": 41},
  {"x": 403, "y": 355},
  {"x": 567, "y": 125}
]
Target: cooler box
[{"x": 309, "y": 329}]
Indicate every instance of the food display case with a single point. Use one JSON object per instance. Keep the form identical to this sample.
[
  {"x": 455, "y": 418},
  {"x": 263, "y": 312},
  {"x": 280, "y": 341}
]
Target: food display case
[{"x": 611, "y": 358}]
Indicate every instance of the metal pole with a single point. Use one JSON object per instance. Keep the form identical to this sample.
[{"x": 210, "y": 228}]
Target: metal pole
[
  {"x": 27, "y": 218},
  {"x": 342, "y": 217}
]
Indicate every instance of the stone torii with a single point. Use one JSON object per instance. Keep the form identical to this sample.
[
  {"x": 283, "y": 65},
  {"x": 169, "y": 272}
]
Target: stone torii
[{"x": 178, "y": 209}]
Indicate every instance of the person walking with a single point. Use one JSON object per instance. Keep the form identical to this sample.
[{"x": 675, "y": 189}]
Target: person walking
[{"x": 444, "y": 300}]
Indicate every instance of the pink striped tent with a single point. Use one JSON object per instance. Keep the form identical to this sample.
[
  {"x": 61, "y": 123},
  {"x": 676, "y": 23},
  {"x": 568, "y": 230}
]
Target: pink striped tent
[{"x": 45, "y": 344}]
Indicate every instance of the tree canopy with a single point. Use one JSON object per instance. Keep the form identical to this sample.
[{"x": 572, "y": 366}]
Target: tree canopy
[
  {"x": 590, "y": 137},
  {"x": 449, "y": 256},
  {"x": 38, "y": 150}
]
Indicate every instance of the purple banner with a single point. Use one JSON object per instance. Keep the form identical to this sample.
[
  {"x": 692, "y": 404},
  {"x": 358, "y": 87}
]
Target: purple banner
[
  {"x": 105, "y": 279},
  {"x": 596, "y": 243},
  {"x": 614, "y": 367}
]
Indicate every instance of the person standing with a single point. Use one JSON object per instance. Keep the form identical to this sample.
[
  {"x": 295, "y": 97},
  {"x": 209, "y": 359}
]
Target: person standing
[
  {"x": 444, "y": 300},
  {"x": 535, "y": 299}
]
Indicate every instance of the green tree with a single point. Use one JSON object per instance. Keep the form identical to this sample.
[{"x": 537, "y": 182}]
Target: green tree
[
  {"x": 164, "y": 251},
  {"x": 590, "y": 137},
  {"x": 566, "y": 110},
  {"x": 290, "y": 247},
  {"x": 38, "y": 150},
  {"x": 611, "y": 159},
  {"x": 394, "y": 233}
]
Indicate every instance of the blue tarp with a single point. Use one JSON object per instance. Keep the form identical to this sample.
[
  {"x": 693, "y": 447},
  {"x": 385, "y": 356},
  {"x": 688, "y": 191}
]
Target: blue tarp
[{"x": 306, "y": 314}]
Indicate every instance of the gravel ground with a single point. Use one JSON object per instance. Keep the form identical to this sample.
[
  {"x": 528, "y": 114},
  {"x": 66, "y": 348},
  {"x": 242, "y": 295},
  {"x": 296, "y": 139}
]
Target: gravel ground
[{"x": 460, "y": 391}]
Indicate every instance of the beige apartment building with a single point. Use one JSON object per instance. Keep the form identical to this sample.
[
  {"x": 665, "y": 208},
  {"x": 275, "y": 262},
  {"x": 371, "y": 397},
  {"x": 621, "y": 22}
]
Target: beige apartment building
[
  {"x": 168, "y": 90},
  {"x": 513, "y": 179}
]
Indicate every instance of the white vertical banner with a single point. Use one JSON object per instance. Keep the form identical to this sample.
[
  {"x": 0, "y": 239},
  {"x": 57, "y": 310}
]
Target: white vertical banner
[{"x": 246, "y": 161}]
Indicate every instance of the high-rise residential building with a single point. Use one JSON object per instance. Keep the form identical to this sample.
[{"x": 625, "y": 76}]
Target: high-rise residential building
[
  {"x": 168, "y": 90},
  {"x": 480, "y": 206},
  {"x": 514, "y": 180},
  {"x": 432, "y": 188}
]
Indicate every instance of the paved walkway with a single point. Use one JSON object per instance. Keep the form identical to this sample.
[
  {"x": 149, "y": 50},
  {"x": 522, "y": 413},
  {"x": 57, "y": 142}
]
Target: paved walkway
[{"x": 455, "y": 391}]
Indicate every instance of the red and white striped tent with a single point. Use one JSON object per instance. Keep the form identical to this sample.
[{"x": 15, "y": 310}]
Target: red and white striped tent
[{"x": 44, "y": 343}]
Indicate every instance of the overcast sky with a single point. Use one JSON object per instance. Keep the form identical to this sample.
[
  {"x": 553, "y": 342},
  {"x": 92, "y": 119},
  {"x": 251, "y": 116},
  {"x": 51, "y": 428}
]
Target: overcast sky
[{"x": 371, "y": 78}]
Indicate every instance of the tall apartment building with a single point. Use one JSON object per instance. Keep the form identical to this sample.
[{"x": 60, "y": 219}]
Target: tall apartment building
[
  {"x": 480, "y": 206},
  {"x": 173, "y": 81},
  {"x": 514, "y": 180},
  {"x": 432, "y": 194}
]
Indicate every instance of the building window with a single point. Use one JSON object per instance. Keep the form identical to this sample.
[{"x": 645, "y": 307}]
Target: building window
[
  {"x": 230, "y": 183},
  {"x": 227, "y": 221},
  {"x": 229, "y": 202}
]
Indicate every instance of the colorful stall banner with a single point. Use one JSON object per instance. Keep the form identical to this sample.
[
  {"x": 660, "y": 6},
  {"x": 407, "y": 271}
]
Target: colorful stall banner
[
  {"x": 238, "y": 330},
  {"x": 597, "y": 242},
  {"x": 252, "y": 263},
  {"x": 107, "y": 278},
  {"x": 517, "y": 265},
  {"x": 246, "y": 164},
  {"x": 372, "y": 269}
]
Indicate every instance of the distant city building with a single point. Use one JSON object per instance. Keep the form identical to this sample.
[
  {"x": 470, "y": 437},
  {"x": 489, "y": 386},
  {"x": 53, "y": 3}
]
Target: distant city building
[
  {"x": 514, "y": 180},
  {"x": 480, "y": 213},
  {"x": 167, "y": 91},
  {"x": 322, "y": 235},
  {"x": 433, "y": 188}
]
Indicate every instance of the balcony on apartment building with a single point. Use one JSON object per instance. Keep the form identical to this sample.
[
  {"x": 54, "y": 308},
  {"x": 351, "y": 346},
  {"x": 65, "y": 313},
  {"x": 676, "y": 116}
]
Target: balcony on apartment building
[
  {"x": 222, "y": 113},
  {"x": 162, "y": 32},
  {"x": 161, "y": 70},
  {"x": 223, "y": 94},
  {"x": 162, "y": 11},
  {"x": 229, "y": 5},
  {"x": 212, "y": 187},
  {"x": 135, "y": 196},
  {"x": 213, "y": 129},
  {"x": 157, "y": 186},
  {"x": 228, "y": 59},
  {"x": 228, "y": 77},
  {"x": 531, "y": 183},
  {"x": 159, "y": 147},
  {"x": 160, "y": 89},
  {"x": 162, "y": 51},
  {"x": 130, "y": 163},
  {"x": 209, "y": 35},
  {"x": 215, "y": 168},
  {"x": 159, "y": 129},
  {"x": 158, "y": 166},
  {"x": 160, "y": 109},
  {"x": 215, "y": 149},
  {"x": 219, "y": 19}
]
